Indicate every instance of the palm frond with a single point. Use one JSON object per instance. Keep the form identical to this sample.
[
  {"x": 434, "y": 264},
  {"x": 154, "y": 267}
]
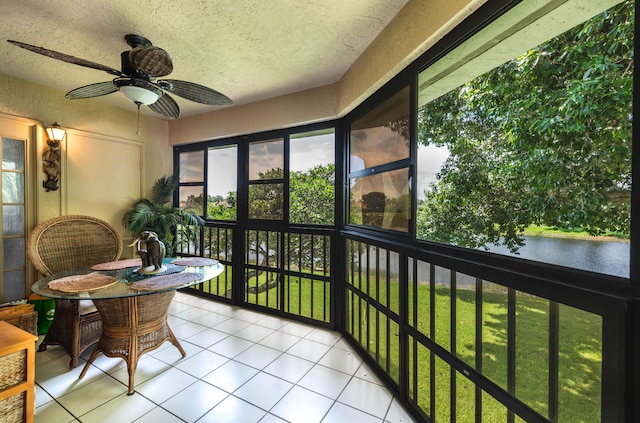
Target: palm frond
[
  {"x": 158, "y": 215},
  {"x": 190, "y": 218},
  {"x": 163, "y": 189}
]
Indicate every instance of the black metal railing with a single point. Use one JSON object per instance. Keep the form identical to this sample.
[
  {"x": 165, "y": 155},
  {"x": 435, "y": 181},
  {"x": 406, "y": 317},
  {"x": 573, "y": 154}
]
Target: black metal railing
[
  {"x": 455, "y": 339},
  {"x": 459, "y": 347},
  {"x": 288, "y": 273},
  {"x": 215, "y": 242}
]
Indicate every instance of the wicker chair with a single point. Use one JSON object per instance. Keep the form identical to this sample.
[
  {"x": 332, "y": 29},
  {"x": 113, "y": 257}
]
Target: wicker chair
[{"x": 66, "y": 243}]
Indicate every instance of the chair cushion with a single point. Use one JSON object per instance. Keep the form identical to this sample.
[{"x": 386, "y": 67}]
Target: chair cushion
[{"x": 86, "y": 307}]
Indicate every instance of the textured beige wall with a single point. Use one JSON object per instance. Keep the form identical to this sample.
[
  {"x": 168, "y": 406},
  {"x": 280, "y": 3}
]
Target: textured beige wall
[
  {"x": 417, "y": 27},
  {"x": 23, "y": 99},
  {"x": 304, "y": 107}
]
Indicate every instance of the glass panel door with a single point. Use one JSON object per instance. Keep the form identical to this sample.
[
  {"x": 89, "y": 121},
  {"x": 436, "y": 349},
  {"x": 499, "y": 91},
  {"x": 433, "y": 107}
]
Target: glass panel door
[{"x": 13, "y": 219}]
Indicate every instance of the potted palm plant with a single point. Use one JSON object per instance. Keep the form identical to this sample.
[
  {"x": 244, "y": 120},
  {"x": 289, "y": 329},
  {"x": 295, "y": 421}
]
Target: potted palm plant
[{"x": 158, "y": 215}]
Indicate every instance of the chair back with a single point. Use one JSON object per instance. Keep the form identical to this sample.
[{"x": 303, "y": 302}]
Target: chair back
[{"x": 72, "y": 242}]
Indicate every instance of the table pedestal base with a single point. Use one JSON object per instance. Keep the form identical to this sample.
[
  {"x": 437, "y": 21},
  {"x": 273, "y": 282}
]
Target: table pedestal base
[{"x": 131, "y": 327}]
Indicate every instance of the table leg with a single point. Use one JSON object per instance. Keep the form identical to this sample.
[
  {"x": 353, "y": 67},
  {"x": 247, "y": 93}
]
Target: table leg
[{"x": 131, "y": 327}]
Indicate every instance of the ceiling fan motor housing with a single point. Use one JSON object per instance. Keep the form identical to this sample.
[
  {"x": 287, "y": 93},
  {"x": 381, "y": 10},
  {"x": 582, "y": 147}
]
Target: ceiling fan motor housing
[{"x": 126, "y": 66}]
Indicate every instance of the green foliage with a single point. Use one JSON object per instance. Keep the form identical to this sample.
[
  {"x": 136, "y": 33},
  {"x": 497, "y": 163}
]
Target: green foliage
[
  {"x": 311, "y": 198},
  {"x": 266, "y": 200},
  {"x": 312, "y": 195},
  {"x": 157, "y": 215},
  {"x": 311, "y": 201},
  {"x": 543, "y": 139},
  {"x": 219, "y": 208}
]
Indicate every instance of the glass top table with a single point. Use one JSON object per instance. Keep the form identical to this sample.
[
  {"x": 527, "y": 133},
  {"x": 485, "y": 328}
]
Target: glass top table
[
  {"x": 125, "y": 279},
  {"x": 134, "y": 321}
]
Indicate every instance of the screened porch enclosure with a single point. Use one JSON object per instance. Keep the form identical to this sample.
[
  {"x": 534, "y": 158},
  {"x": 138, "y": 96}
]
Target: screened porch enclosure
[{"x": 404, "y": 225}]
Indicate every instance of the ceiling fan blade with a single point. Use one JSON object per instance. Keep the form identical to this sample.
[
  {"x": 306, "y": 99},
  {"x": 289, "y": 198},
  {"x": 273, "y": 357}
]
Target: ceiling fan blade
[
  {"x": 195, "y": 92},
  {"x": 166, "y": 106},
  {"x": 153, "y": 60},
  {"x": 92, "y": 90},
  {"x": 67, "y": 58}
]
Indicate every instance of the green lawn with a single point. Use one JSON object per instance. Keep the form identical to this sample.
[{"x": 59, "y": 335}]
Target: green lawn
[
  {"x": 221, "y": 285},
  {"x": 579, "y": 355},
  {"x": 549, "y": 231},
  {"x": 579, "y": 352},
  {"x": 302, "y": 296}
]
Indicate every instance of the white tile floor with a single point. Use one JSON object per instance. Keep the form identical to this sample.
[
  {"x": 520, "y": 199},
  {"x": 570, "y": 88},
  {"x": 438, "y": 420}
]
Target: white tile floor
[{"x": 241, "y": 366}]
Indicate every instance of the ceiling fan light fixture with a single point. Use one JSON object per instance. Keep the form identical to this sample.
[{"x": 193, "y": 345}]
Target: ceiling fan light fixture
[
  {"x": 139, "y": 91},
  {"x": 139, "y": 95}
]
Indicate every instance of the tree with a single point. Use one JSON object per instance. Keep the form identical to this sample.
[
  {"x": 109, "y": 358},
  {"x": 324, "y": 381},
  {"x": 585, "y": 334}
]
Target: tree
[
  {"x": 543, "y": 139},
  {"x": 193, "y": 203},
  {"x": 266, "y": 199},
  {"x": 311, "y": 201},
  {"x": 312, "y": 195},
  {"x": 220, "y": 208}
]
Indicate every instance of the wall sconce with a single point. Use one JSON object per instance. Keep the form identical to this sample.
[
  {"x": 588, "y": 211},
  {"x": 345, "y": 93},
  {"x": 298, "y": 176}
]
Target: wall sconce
[{"x": 51, "y": 157}]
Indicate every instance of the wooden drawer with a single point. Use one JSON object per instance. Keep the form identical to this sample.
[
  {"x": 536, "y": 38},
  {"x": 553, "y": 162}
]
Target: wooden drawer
[
  {"x": 17, "y": 374},
  {"x": 22, "y": 316}
]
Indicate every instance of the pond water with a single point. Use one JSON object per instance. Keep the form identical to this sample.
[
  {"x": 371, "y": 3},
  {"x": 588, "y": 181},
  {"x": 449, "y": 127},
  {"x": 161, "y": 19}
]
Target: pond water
[{"x": 608, "y": 257}]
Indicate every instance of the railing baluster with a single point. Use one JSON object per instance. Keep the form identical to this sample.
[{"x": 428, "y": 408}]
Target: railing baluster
[
  {"x": 453, "y": 294},
  {"x": 511, "y": 348},
  {"x": 478, "y": 346},
  {"x": 554, "y": 347},
  {"x": 432, "y": 335}
]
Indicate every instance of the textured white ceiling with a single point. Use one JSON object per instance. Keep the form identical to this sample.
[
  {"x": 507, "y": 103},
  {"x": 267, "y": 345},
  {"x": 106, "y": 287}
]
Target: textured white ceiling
[{"x": 247, "y": 49}]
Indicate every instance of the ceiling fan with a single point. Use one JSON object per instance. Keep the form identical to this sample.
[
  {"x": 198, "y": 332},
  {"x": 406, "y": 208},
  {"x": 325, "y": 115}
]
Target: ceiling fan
[{"x": 137, "y": 80}]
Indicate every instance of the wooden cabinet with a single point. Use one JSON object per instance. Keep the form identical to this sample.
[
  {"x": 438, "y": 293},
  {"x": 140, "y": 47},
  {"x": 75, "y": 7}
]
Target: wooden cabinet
[{"x": 17, "y": 374}]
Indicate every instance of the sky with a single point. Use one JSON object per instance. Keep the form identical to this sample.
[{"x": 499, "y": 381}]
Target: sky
[
  {"x": 306, "y": 152},
  {"x": 223, "y": 165},
  {"x": 430, "y": 161}
]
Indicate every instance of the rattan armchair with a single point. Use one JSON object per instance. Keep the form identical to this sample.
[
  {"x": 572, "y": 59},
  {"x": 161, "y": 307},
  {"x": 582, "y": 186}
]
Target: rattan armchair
[{"x": 66, "y": 243}]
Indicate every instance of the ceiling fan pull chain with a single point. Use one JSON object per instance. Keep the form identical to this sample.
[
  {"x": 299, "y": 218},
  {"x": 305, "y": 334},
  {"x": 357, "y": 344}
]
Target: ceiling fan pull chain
[{"x": 138, "y": 131}]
